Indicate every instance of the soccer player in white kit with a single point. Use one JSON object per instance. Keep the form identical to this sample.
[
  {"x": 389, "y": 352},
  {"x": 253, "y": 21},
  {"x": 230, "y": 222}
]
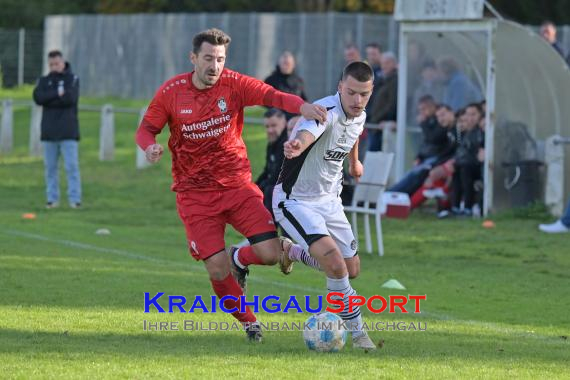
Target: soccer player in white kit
[{"x": 306, "y": 198}]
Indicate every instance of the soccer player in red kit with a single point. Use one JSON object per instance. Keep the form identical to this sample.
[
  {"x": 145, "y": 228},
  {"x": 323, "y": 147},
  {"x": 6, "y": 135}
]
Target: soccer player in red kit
[{"x": 210, "y": 168}]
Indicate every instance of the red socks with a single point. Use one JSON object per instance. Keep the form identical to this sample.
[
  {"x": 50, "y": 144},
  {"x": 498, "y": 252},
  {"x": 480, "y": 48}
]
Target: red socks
[
  {"x": 229, "y": 287},
  {"x": 246, "y": 256}
]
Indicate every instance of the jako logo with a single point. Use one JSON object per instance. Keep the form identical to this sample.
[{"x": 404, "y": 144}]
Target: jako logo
[{"x": 186, "y": 112}]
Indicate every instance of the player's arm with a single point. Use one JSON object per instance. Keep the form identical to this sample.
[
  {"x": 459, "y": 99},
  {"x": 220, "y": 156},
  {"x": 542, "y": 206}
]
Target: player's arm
[
  {"x": 355, "y": 167},
  {"x": 295, "y": 147},
  {"x": 151, "y": 125},
  {"x": 257, "y": 93}
]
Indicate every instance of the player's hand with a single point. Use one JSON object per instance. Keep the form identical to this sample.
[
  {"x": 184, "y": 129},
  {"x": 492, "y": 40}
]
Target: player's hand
[
  {"x": 292, "y": 148},
  {"x": 154, "y": 152},
  {"x": 355, "y": 170},
  {"x": 314, "y": 112}
]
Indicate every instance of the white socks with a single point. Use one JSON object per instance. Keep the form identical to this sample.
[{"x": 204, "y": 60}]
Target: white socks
[{"x": 354, "y": 319}]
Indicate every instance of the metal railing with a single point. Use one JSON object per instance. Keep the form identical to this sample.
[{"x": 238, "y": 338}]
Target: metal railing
[{"x": 106, "y": 128}]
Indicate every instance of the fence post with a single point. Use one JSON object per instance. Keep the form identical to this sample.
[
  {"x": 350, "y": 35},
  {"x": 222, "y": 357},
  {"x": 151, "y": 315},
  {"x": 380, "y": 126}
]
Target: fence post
[
  {"x": 35, "y": 131},
  {"x": 21, "y": 46},
  {"x": 141, "y": 157},
  {"x": 107, "y": 134},
  {"x": 7, "y": 127}
]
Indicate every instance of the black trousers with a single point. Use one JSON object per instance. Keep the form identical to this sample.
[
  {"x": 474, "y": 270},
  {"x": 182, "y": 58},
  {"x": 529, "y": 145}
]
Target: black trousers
[{"x": 463, "y": 184}]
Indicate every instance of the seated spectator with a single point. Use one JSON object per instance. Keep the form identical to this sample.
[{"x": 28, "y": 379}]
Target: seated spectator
[
  {"x": 275, "y": 125},
  {"x": 436, "y": 147},
  {"x": 385, "y": 103},
  {"x": 562, "y": 225},
  {"x": 438, "y": 183},
  {"x": 468, "y": 161},
  {"x": 284, "y": 78}
]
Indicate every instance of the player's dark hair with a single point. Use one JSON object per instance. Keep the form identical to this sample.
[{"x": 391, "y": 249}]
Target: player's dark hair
[
  {"x": 274, "y": 112},
  {"x": 55, "y": 53},
  {"x": 361, "y": 71},
  {"x": 212, "y": 36}
]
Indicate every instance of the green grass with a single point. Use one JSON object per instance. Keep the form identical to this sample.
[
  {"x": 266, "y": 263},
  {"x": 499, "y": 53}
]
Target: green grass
[{"x": 71, "y": 301}]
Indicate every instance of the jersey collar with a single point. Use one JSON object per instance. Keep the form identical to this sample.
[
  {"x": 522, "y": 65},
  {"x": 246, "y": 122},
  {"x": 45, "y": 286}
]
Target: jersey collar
[{"x": 343, "y": 116}]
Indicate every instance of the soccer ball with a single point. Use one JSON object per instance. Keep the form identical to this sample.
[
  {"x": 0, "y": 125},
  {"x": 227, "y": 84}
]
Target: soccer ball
[{"x": 324, "y": 333}]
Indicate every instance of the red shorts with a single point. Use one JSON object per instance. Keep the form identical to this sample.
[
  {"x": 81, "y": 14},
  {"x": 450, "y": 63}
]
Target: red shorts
[{"x": 206, "y": 213}]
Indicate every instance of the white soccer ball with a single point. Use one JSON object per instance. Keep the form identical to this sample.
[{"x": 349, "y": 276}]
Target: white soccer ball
[{"x": 324, "y": 333}]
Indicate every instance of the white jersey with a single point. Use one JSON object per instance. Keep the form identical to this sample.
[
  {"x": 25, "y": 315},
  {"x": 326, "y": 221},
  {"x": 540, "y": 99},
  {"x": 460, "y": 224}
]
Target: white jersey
[{"x": 317, "y": 172}]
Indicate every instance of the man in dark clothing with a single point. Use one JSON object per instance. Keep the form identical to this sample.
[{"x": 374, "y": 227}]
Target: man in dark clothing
[
  {"x": 468, "y": 161},
  {"x": 285, "y": 79},
  {"x": 275, "y": 125},
  {"x": 385, "y": 103},
  {"x": 548, "y": 32},
  {"x": 374, "y": 59},
  {"x": 435, "y": 139},
  {"x": 58, "y": 93},
  {"x": 436, "y": 148}
]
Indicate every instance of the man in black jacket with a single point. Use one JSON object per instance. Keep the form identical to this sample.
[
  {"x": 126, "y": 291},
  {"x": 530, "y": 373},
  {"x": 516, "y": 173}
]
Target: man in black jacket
[
  {"x": 285, "y": 79},
  {"x": 275, "y": 125},
  {"x": 436, "y": 148},
  {"x": 58, "y": 93},
  {"x": 385, "y": 102}
]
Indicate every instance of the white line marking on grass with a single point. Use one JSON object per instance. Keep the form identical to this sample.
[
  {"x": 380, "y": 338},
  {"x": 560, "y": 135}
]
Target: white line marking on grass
[{"x": 137, "y": 256}]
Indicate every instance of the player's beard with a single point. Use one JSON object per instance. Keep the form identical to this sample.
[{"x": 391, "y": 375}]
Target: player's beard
[{"x": 208, "y": 80}]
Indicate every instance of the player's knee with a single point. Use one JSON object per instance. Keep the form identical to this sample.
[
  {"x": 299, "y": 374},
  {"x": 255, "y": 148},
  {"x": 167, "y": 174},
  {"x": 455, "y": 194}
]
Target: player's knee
[{"x": 337, "y": 265}]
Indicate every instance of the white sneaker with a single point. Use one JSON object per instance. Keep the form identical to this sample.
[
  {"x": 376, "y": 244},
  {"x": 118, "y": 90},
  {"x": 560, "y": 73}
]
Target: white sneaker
[
  {"x": 434, "y": 193},
  {"x": 363, "y": 341},
  {"x": 555, "y": 228}
]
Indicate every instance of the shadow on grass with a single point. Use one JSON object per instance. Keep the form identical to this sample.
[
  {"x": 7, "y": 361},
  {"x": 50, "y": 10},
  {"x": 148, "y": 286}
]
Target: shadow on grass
[{"x": 438, "y": 346}]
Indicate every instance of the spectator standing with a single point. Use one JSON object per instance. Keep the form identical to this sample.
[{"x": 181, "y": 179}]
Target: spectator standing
[
  {"x": 276, "y": 128},
  {"x": 58, "y": 93},
  {"x": 548, "y": 32},
  {"x": 284, "y": 78},
  {"x": 384, "y": 106}
]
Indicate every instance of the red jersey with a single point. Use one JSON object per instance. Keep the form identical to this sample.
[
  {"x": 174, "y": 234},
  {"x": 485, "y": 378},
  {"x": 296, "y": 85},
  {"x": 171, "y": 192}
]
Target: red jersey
[{"x": 208, "y": 152}]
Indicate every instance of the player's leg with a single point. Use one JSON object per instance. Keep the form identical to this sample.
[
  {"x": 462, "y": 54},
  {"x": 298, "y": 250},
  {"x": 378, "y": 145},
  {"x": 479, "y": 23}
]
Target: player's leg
[
  {"x": 51, "y": 158},
  {"x": 326, "y": 251},
  {"x": 224, "y": 284},
  {"x": 205, "y": 225},
  {"x": 248, "y": 215},
  {"x": 292, "y": 252},
  {"x": 303, "y": 224},
  {"x": 353, "y": 266},
  {"x": 341, "y": 232}
]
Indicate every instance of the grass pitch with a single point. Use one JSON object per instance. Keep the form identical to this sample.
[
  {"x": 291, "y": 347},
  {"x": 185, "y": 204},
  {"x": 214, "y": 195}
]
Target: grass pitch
[{"x": 71, "y": 301}]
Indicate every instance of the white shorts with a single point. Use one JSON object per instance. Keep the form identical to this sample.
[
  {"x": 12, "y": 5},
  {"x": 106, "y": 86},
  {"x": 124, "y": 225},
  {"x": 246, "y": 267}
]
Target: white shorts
[{"x": 307, "y": 221}]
